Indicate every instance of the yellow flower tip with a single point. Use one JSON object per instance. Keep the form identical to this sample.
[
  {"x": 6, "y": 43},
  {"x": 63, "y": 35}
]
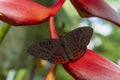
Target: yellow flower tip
[
  {"x": 40, "y": 63},
  {"x": 1, "y": 14},
  {"x": 51, "y": 72}
]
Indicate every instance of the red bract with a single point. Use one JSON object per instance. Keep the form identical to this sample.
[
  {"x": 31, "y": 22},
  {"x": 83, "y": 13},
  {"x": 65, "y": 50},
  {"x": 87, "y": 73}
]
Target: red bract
[
  {"x": 26, "y": 12},
  {"x": 93, "y": 66},
  {"x": 96, "y": 8}
]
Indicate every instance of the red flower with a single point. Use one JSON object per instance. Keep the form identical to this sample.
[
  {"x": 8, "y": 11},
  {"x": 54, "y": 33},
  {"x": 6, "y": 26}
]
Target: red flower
[
  {"x": 93, "y": 66},
  {"x": 96, "y": 8},
  {"x": 26, "y": 12}
]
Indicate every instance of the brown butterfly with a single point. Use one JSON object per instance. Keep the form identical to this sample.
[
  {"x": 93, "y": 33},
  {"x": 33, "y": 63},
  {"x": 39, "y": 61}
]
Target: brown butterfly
[{"x": 59, "y": 51}]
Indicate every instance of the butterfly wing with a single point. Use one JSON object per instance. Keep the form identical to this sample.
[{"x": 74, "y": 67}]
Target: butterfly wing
[
  {"x": 76, "y": 42},
  {"x": 50, "y": 50}
]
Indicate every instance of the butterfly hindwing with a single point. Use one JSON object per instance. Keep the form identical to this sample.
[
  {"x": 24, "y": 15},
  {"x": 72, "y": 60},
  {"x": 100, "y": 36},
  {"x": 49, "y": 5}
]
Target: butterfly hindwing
[
  {"x": 50, "y": 50},
  {"x": 76, "y": 41}
]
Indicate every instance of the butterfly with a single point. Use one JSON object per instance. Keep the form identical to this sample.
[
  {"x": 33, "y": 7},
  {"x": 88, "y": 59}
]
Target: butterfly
[{"x": 59, "y": 51}]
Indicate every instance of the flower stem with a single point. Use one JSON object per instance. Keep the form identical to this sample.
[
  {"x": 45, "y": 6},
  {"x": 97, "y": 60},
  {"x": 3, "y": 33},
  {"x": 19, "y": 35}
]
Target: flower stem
[
  {"x": 53, "y": 32},
  {"x": 33, "y": 71},
  {"x": 54, "y": 35},
  {"x": 3, "y": 31},
  {"x": 51, "y": 72}
]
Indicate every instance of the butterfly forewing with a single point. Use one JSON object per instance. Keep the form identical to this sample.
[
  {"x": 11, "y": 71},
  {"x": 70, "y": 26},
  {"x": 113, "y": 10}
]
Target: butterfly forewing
[
  {"x": 85, "y": 36},
  {"x": 76, "y": 42},
  {"x": 50, "y": 50}
]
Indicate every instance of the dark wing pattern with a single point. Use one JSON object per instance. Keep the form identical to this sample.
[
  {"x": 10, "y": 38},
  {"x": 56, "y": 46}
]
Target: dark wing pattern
[
  {"x": 50, "y": 50},
  {"x": 85, "y": 36},
  {"x": 76, "y": 42}
]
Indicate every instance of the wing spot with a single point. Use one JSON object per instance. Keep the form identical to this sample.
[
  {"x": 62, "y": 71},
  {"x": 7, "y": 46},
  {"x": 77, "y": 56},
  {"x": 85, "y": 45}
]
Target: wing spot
[
  {"x": 59, "y": 59},
  {"x": 45, "y": 43}
]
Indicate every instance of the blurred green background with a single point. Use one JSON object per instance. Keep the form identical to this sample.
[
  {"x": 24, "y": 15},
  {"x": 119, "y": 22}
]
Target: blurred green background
[{"x": 16, "y": 63}]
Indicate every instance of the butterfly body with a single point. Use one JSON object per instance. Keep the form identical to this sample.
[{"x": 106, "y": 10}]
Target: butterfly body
[{"x": 59, "y": 51}]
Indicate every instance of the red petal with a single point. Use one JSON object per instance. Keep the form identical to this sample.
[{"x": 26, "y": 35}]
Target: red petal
[
  {"x": 26, "y": 12},
  {"x": 93, "y": 66},
  {"x": 97, "y": 8}
]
